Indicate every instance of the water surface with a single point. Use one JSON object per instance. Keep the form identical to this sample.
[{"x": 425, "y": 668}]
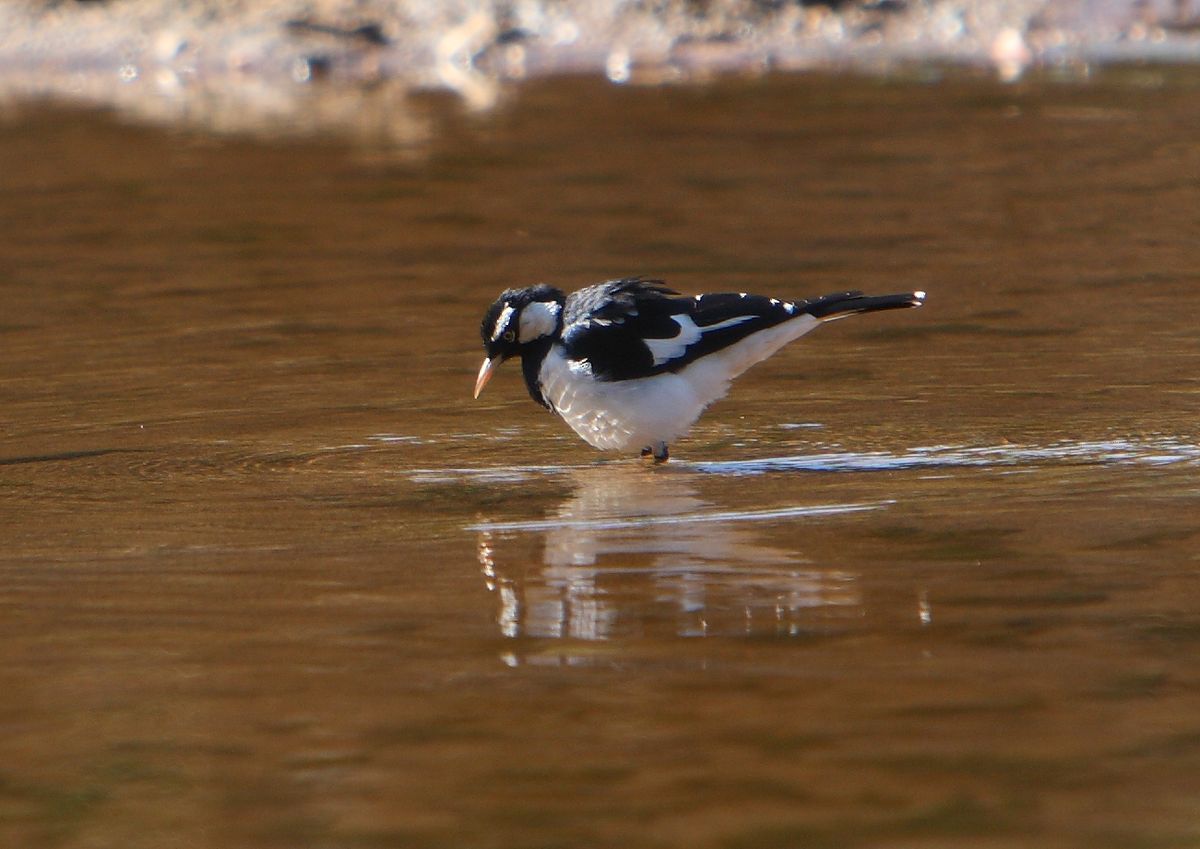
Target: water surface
[{"x": 271, "y": 578}]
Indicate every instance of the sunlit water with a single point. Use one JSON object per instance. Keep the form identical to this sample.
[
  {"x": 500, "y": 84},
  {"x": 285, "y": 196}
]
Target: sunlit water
[{"x": 271, "y": 578}]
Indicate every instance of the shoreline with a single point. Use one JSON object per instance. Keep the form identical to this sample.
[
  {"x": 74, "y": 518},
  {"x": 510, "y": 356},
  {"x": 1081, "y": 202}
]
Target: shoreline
[{"x": 227, "y": 67}]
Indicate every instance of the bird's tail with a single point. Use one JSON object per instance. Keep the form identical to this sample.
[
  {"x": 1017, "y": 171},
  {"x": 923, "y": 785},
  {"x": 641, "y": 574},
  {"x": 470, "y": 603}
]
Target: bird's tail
[{"x": 842, "y": 304}]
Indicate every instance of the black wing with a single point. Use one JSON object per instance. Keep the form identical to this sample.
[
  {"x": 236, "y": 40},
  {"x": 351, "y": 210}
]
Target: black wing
[{"x": 631, "y": 328}]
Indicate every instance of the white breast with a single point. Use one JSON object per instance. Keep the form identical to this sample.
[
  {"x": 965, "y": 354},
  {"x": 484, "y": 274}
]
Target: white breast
[{"x": 628, "y": 415}]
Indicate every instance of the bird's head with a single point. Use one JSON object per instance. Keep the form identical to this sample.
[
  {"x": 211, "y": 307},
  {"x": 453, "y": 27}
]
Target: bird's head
[{"x": 519, "y": 320}]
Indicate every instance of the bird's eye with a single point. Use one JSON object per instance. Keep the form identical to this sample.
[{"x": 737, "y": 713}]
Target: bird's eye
[{"x": 509, "y": 336}]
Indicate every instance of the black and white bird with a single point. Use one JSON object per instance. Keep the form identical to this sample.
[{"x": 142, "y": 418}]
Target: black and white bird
[{"x": 631, "y": 364}]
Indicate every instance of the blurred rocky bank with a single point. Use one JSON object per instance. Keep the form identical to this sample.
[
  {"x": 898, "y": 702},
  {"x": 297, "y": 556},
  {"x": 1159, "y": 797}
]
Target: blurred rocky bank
[{"x": 241, "y": 65}]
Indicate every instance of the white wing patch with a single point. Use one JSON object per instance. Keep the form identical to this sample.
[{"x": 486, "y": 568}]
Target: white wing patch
[{"x": 665, "y": 350}]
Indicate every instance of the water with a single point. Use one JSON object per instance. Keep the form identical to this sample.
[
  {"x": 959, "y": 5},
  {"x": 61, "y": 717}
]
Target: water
[{"x": 271, "y": 578}]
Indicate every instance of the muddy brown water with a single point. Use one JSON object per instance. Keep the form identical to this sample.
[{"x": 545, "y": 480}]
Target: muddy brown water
[{"x": 270, "y": 577}]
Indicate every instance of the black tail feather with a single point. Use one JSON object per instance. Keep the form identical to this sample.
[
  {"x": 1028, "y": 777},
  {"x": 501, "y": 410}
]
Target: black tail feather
[{"x": 843, "y": 304}]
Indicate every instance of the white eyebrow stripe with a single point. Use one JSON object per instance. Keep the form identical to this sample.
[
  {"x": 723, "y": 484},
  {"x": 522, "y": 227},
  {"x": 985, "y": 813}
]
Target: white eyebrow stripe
[
  {"x": 665, "y": 350},
  {"x": 502, "y": 321}
]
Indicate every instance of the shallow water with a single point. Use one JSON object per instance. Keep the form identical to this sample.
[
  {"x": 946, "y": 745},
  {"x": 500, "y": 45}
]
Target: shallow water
[{"x": 272, "y": 579}]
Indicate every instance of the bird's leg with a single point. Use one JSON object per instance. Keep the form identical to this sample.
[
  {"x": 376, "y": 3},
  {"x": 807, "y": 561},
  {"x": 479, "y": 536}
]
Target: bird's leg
[{"x": 656, "y": 452}]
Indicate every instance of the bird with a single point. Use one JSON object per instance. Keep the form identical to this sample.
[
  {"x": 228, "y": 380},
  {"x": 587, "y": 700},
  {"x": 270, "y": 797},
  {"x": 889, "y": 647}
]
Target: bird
[{"x": 630, "y": 364}]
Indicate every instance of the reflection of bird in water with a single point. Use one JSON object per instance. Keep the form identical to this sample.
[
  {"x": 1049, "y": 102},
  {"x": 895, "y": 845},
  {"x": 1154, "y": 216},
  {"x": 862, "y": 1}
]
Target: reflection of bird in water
[{"x": 631, "y": 552}]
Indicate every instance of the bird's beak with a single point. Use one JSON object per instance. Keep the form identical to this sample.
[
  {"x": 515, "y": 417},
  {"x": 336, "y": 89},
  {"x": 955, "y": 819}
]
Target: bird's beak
[{"x": 485, "y": 373}]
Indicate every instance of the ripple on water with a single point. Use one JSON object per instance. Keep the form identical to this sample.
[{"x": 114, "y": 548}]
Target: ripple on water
[
  {"x": 1154, "y": 451},
  {"x": 1010, "y": 457},
  {"x": 642, "y": 521}
]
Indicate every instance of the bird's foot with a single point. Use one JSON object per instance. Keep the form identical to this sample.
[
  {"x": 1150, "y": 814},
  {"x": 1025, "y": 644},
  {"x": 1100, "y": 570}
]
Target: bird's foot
[{"x": 658, "y": 453}]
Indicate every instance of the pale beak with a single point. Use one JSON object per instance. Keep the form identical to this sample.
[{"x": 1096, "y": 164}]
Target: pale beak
[{"x": 485, "y": 373}]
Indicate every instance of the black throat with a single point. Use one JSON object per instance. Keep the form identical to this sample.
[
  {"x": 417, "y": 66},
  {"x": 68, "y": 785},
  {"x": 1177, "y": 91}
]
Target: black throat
[{"x": 532, "y": 356}]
